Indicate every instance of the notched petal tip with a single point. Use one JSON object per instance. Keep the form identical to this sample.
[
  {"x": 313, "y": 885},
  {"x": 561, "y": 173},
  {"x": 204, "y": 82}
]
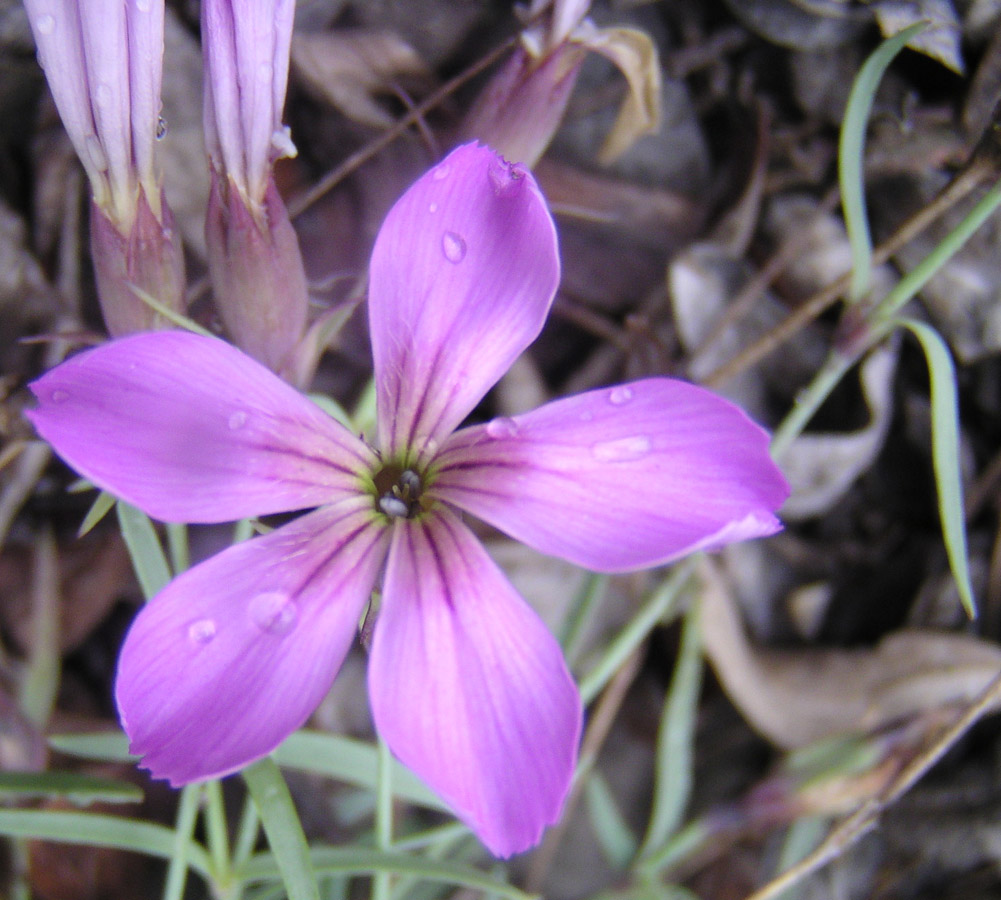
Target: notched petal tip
[{"x": 462, "y": 276}]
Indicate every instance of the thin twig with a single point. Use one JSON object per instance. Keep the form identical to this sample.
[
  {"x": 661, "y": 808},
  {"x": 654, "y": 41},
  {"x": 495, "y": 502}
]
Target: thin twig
[
  {"x": 866, "y": 817},
  {"x": 968, "y": 179},
  {"x": 594, "y": 739}
]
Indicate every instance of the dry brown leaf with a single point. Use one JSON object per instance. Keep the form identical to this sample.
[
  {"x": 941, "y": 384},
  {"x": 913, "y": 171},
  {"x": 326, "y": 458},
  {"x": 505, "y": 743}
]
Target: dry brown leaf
[
  {"x": 348, "y": 68},
  {"x": 635, "y": 55},
  {"x": 797, "y": 697}
]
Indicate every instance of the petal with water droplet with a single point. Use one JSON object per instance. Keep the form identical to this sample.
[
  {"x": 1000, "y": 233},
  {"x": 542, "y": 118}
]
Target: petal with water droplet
[
  {"x": 455, "y": 297},
  {"x": 233, "y": 655},
  {"x": 190, "y": 429},
  {"x": 621, "y": 479}
]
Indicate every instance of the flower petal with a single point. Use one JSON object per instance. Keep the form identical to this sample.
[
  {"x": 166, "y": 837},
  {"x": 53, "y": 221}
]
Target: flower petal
[
  {"x": 462, "y": 276},
  {"x": 234, "y": 655},
  {"x": 469, "y": 688},
  {"x": 620, "y": 478},
  {"x": 189, "y": 429}
]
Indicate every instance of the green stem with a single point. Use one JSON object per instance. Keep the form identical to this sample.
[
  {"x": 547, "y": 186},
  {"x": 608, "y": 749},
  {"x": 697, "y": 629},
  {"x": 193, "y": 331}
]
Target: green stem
[
  {"x": 663, "y": 600},
  {"x": 216, "y": 833},
  {"x": 184, "y": 827},
  {"x": 381, "y": 883},
  {"x": 283, "y": 828},
  {"x": 177, "y": 544}
]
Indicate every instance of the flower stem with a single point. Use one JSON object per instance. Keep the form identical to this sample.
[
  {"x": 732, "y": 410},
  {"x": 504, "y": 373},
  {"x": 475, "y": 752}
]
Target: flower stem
[
  {"x": 381, "y": 884},
  {"x": 283, "y": 828}
]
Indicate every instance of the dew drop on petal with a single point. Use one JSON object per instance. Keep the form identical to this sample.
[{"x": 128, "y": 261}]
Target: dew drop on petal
[
  {"x": 453, "y": 246},
  {"x": 59, "y": 396},
  {"x": 432, "y": 208},
  {"x": 621, "y": 450},
  {"x": 586, "y": 416},
  {"x": 143, "y": 5},
  {"x": 202, "y": 632},
  {"x": 441, "y": 172},
  {"x": 45, "y": 24},
  {"x": 264, "y": 71},
  {"x": 502, "y": 427},
  {"x": 619, "y": 396},
  {"x": 237, "y": 420},
  {"x": 274, "y": 612}
]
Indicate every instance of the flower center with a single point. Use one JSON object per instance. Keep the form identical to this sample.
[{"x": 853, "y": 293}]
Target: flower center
[{"x": 398, "y": 492}]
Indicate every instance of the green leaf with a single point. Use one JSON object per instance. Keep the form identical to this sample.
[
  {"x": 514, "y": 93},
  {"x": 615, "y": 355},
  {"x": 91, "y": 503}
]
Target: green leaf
[
  {"x": 79, "y": 789},
  {"x": 615, "y": 837},
  {"x": 105, "y": 746},
  {"x": 675, "y": 762},
  {"x": 289, "y": 849},
  {"x": 144, "y": 548},
  {"x": 360, "y": 861},
  {"x": 352, "y": 761},
  {"x": 850, "y": 155},
  {"x": 99, "y": 509},
  {"x": 96, "y": 830},
  {"x": 945, "y": 455}
]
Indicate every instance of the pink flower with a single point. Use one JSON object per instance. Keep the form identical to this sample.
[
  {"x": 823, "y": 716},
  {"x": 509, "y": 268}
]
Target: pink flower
[{"x": 466, "y": 684}]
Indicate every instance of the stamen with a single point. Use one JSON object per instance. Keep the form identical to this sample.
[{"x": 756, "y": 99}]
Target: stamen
[{"x": 393, "y": 506}]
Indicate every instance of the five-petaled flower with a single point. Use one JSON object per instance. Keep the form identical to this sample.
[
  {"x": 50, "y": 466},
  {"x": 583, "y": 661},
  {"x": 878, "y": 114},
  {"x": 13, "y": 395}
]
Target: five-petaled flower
[{"x": 466, "y": 684}]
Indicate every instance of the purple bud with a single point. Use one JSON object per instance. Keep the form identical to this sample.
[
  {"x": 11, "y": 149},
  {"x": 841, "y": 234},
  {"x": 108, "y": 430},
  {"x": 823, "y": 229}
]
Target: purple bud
[
  {"x": 147, "y": 259},
  {"x": 257, "y": 273}
]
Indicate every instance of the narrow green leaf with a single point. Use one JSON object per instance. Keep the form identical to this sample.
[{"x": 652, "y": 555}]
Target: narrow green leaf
[
  {"x": 675, "y": 762},
  {"x": 79, "y": 789},
  {"x": 945, "y": 455},
  {"x": 94, "y": 830},
  {"x": 145, "y": 549},
  {"x": 104, "y": 746},
  {"x": 171, "y": 315},
  {"x": 359, "y": 861},
  {"x": 352, "y": 761},
  {"x": 101, "y": 506},
  {"x": 283, "y": 829},
  {"x": 615, "y": 837},
  {"x": 850, "y": 155},
  {"x": 662, "y": 602},
  {"x": 184, "y": 828}
]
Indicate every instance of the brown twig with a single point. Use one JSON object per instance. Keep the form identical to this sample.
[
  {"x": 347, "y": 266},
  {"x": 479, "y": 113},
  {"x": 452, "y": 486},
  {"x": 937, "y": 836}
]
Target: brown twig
[
  {"x": 960, "y": 186},
  {"x": 594, "y": 738},
  {"x": 866, "y": 817}
]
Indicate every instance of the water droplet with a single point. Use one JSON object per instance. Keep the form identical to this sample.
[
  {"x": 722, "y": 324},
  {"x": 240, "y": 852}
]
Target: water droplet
[
  {"x": 161, "y": 128},
  {"x": 586, "y": 416},
  {"x": 453, "y": 246},
  {"x": 506, "y": 179},
  {"x": 622, "y": 450},
  {"x": 237, "y": 420},
  {"x": 442, "y": 171},
  {"x": 432, "y": 208},
  {"x": 59, "y": 396},
  {"x": 45, "y": 24},
  {"x": 619, "y": 396},
  {"x": 202, "y": 632},
  {"x": 143, "y": 5},
  {"x": 103, "y": 94},
  {"x": 274, "y": 612},
  {"x": 264, "y": 71},
  {"x": 95, "y": 153},
  {"x": 502, "y": 428}
]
